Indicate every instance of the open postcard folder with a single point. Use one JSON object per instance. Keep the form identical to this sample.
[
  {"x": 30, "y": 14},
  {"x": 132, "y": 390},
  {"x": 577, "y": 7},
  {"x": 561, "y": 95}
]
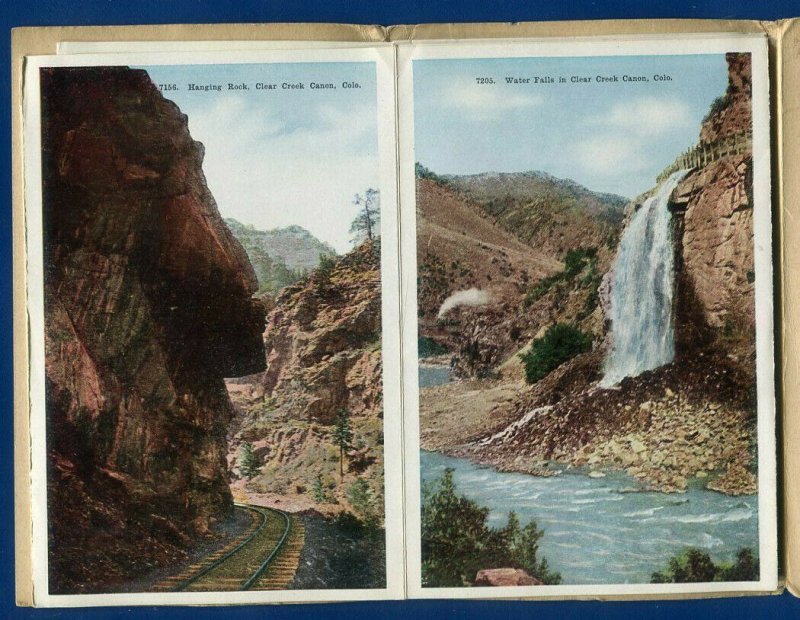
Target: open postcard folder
[{"x": 468, "y": 312}]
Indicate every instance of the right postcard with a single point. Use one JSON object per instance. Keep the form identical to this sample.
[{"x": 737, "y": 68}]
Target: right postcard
[{"x": 588, "y": 319}]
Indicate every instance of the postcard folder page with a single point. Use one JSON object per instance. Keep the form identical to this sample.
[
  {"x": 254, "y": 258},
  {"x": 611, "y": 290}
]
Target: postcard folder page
[
  {"x": 587, "y": 317},
  {"x": 214, "y": 325},
  {"x": 585, "y": 298}
]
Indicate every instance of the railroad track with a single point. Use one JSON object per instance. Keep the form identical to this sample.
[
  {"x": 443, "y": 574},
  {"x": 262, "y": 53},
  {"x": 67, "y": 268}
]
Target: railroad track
[{"x": 265, "y": 558}]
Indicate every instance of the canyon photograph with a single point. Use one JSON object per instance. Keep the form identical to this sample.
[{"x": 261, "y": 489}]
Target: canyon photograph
[
  {"x": 213, "y": 328},
  {"x": 586, "y": 320}
]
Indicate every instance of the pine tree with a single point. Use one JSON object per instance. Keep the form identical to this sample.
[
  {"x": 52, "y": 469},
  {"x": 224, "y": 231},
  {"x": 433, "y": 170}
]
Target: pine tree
[
  {"x": 342, "y": 437},
  {"x": 366, "y": 224},
  {"x": 248, "y": 461}
]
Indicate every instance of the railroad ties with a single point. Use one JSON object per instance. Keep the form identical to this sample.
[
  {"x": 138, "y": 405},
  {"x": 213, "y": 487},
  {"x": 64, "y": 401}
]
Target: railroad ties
[
  {"x": 265, "y": 557},
  {"x": 281, "y": 571}
]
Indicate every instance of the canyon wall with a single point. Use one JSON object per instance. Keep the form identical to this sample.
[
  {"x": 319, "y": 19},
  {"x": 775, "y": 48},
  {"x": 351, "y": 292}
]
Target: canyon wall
[
  {"x": 147, "y": 307},
  {"x": 714, "y": 205},
  {"x": 323, "y": 340}
]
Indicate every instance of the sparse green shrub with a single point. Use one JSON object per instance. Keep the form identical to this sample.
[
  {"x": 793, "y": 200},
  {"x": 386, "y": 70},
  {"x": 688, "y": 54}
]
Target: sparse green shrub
[
  {"x": 696, "y": 566},
  {"x": 540, "y": 289},
  {"x": 319, "y": 490},
  {"x": 362, "y": 499},
  {"x": 577, "y": 260},
  {"x": 428, "y": 347},
  {"x": 560, "y": 343},
  {"x": 326, "y": 265},
  {"x": 717, "y": 106},
  {"x": 457, "y": 542}
]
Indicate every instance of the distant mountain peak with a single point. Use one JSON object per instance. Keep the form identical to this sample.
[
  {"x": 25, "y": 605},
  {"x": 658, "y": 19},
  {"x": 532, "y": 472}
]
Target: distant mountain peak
[{"x": 279, "y": 256}]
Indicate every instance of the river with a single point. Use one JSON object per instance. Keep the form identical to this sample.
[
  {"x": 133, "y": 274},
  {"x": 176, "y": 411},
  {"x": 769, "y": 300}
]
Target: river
[{"x": 595, "y": 532}]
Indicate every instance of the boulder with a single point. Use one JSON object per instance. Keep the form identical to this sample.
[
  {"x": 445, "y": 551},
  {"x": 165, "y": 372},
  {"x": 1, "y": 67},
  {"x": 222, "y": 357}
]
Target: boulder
[{"x": 505, "y": 577}]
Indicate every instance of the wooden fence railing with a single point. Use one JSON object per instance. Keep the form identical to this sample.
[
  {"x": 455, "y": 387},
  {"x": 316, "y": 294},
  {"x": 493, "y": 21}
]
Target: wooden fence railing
[{"x": 705, "y": 153}]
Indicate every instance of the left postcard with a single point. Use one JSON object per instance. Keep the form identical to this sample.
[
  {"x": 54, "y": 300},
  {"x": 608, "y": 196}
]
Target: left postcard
[{"x": 212, "y": 294}]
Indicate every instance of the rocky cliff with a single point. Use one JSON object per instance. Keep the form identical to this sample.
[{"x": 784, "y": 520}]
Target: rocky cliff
[
  {"x": 147, "y": 307},
  {"x": 323, "y": 344},
  {"x": 714, "y": 212}
]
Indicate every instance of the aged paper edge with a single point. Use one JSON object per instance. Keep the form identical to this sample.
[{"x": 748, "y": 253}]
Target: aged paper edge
[
  {"x": 789, "y": 184},
  {"x": 30, "y": 41}
]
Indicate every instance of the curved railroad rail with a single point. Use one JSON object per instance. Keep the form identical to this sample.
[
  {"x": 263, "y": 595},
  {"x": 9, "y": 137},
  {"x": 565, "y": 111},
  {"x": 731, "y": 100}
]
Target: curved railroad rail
[{"x": 245, "y": 580}]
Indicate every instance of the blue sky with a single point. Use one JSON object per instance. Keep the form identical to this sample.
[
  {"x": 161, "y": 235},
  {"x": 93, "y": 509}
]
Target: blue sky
[
  {"x": 281, "y": 157},
  {"x": 609, "y": 137}
]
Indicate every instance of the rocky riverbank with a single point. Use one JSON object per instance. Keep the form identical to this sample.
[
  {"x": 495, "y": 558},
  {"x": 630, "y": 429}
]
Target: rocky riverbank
[{"x": 665, "y": 427}]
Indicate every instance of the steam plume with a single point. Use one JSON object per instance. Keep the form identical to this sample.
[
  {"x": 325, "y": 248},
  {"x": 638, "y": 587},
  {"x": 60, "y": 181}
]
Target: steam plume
[{"x": 470, "y": 297}]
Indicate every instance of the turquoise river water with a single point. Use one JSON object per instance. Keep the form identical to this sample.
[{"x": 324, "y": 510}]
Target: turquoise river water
[{"x": 596, "y": 531}]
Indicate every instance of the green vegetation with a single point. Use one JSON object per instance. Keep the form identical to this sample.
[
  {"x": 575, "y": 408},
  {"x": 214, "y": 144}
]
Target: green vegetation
[
  {"x": 320, "y": 490},
  {"x": 362, "y": 499},
  {"x": 717, "y": 106},
  {"x": 326, "y": 265},
  {"x": 560, "y": 343},
  {"x": 577, "y": 262},
  {"x": 457, "y": 542},
  {"x": 248, "y": 461},
  {"x": 424, "y": 173},
  {"x": 428, "y": 347},
  {"x": 696, "y": 566},
  {"x": 342, "y": 437}
]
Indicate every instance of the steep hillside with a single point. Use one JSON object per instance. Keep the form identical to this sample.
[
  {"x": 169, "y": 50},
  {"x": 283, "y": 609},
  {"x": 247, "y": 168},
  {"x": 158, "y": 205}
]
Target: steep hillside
[
  {"x": 459, "y": 248},
  {"x": 551, "y": 214},
  {"x": 323, "y": 343},
  {"x": 147, "y": 307},
  {"x": 279, "y": 256},
  {"x": 530, "y": 282}
]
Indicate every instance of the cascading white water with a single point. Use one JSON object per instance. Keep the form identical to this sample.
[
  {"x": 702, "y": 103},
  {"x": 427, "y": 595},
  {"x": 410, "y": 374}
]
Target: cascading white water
[{"x": 642, "y": 323}]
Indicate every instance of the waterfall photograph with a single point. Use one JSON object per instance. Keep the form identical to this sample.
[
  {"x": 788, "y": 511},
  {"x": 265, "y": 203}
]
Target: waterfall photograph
[{"x": 586, "y": 319}]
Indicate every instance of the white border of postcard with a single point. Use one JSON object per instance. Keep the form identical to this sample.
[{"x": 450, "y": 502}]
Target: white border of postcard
[
  {"x": 383, "y": 57},
  {"x": 756, "y": 45}
]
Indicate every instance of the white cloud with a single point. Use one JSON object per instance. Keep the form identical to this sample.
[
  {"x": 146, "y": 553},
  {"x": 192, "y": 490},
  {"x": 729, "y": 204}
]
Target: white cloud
[
  {"x": 270, "y": 168},
  {"x": 487, "y": 100},
  {"x": 646, "y": 116},
  {"x": 610, "y": 155}
]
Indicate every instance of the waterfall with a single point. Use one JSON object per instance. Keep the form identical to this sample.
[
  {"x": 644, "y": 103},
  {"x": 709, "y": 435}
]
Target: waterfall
[{"x": 642, "y": 322}]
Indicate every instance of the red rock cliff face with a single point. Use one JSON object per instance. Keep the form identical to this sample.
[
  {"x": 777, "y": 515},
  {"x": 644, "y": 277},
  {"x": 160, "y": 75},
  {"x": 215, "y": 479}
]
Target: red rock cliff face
[
  {"x": 147, "y": 307},
  {"x": 716, "y": 246}
]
